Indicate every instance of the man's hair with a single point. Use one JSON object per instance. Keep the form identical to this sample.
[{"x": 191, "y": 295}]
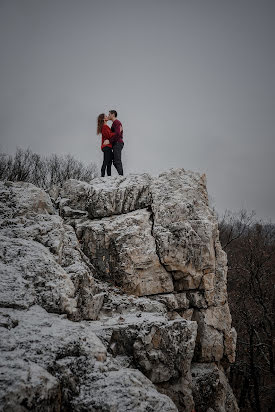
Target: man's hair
[{"x": 114, "y": 112}]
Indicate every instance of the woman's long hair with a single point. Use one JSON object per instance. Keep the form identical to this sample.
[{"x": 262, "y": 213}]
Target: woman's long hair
[{"x": 100, "y": 122}]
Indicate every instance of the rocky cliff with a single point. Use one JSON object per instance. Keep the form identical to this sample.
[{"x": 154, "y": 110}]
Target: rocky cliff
[{"x": 113, "y": 297}]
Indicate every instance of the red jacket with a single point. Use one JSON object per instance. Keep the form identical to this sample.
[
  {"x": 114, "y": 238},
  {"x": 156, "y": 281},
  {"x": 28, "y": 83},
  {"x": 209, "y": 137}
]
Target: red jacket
[{"x": 106, "y": 135}]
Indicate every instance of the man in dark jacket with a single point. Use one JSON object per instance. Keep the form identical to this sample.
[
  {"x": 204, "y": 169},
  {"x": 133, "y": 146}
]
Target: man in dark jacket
[{"x": 116, "y": 141}]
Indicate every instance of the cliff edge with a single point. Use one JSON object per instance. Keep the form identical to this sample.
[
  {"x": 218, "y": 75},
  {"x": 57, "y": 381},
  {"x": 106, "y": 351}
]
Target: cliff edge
[{"x": 113, "y": 297}]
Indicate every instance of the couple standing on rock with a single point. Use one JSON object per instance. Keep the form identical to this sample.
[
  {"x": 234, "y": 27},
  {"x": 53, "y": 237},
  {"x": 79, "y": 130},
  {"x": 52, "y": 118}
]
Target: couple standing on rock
[{"x": 112, "y": 142}]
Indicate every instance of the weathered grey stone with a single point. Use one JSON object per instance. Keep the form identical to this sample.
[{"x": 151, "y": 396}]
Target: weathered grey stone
[
  {"x": 161, "y": 349},
  {"x": 107, "y": 196},
  {"x": 67, "y": 212},
  {"x": 38, "y": 330},
  {"x": 187, "y": 314},
  {"x": 182, "y": 300},
  {"x": 30, "y": 349},
  {"x": 215, "y": 337},
  {"x": 230, "y": 341},
  {"x": 7, "y": 321},
  {"x": 218, "y": 317},
  {"x": 211, "y": 390},
  {"x": 23, "y": 198},
  {"x": 184, "y": 226},
  {"x": 218, "y": 295},
  {"x": 28, "y": 273},
  {"x": 27, "y": 386},
  {"x": 139, "y": 234},
  {"x": 197, "y": 299},
  {"x": 164, "y": 355},
  {"x": 74, "y": 194},
  {"x": 120, "y": 390},
  {"x": 122, "y": 249},
  {"x": 119, "y": 195},
  {"x": 168, "y": 299},
  {"x": 173, "y": 301},
  {"x": 40, "y": 257},
  {"x": 172, "y": 315},
  {"x": 116, "y": 303},
  {"x": 75, "y": 372},
  {"x": 213, "y": 322}
]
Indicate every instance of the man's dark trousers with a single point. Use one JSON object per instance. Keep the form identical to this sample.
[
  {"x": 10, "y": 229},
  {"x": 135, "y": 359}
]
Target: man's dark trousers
[{"x": 117, "y": 148}]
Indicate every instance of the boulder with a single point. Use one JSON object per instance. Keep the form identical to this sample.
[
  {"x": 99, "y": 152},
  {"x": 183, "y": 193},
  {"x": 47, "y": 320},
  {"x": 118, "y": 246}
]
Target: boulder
[
  {"x": 161, "y": 349},
  {"x": 122, "y": 250},
  {"x": 211, "y": 390},
  {"x": 41, "y": 259},
  {"x": 184, "y": 226},
  {"x": 50, "y": 363},
  {"x": 107, "y": 196}
]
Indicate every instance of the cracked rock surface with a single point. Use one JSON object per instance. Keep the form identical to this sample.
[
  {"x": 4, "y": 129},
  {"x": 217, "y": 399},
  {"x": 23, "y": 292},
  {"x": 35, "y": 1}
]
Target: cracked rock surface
[
  {"x": 123, "y": 248},
  {"x": 113, "y": 297}
]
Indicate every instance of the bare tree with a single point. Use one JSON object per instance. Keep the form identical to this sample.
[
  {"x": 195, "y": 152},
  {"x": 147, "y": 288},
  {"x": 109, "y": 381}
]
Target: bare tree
[
  {"x": 250, "y": 247},
  {"x": 233, "y": 226}
]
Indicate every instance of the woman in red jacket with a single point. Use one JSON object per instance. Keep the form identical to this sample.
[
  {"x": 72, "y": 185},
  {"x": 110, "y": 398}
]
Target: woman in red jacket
[{"x": 106, "y": 147}]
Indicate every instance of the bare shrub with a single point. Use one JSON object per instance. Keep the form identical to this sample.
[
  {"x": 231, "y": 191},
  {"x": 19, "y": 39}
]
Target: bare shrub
[{"x": 44, "y": 171}]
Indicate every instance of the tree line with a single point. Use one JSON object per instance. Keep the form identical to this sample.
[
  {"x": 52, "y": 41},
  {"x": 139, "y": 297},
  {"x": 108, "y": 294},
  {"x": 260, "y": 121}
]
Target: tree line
[
  {"x": 44, "y": 171},
  {"x": 250, "y": 247}
]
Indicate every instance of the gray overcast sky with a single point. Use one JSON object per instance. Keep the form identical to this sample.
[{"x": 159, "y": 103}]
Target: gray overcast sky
[{"x": 192, "y": 81}]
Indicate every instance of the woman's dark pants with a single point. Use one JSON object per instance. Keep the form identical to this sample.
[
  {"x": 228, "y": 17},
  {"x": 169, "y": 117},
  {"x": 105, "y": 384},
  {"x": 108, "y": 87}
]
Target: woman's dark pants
[{"x": 107, "y": 161}]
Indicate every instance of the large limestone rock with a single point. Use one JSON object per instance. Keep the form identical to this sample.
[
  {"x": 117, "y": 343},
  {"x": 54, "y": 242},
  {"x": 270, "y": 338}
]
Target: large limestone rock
[
  {"x": 184, "y": 227},
  {"x": 27, "y": 386},
  {"x": 50, "y": 363},
  {"x": 123, "y": 250},
  {"x": 120, "y": 195},
  {"x": 214, "y": 332},
  {"x": 161, "y": 349},
  {"x": 113, "y": 297},
  {"x": 171, "y": 247},
  {"x": 41, "y": 260}
]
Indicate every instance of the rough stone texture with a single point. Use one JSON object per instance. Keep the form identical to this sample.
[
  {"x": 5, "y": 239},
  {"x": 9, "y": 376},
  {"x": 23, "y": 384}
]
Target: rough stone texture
[
  {"x": 48, "y": 361},
  {"x": 214, "y": 325},
  {"x": 123, "y": 249},
  {"x": 120, "y": 195},
  {"x": 27, "y": 386},
  {"x": 230, "y": 341},
  {"x": 217, "y": 295},
  {"x": 164, "y": 355},
  {"x": 30, "y": 348},
  {"x": 211, "y": 390},
  {"x": 184, "y": 227},
  {"x": 171, "y": 247},
  {"x": 116, "y": 303},
  {"x": 41, "y": 260},
  {"x": 121, "y": 390},
  {"x": 21, "y": 198},
  {"x": 72, "y": 339},
  {"x": 161, "y": 349}
]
